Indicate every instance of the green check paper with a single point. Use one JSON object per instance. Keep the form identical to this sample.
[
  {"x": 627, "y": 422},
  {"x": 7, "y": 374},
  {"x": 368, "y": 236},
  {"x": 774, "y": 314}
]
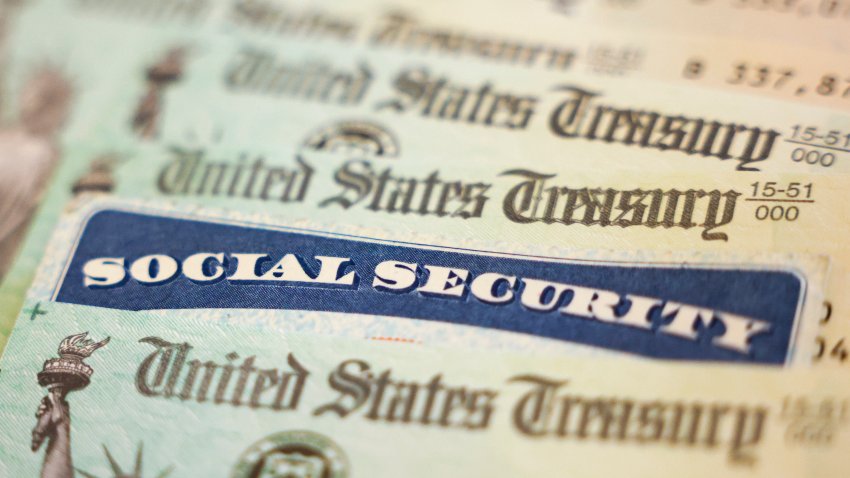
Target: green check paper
[{"x": 110, "y": 393}]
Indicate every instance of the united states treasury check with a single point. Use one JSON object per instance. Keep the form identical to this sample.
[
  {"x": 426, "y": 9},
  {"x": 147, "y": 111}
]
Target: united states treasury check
[
  {"x": 547, "y": 207},
  {"x": 438, "y": 33},
  {"x": 587, "y": 107},
  {"x": 132, "y": 391},
  {"x": 212, "y": 103},
  {"x": 746, "y": 308}
]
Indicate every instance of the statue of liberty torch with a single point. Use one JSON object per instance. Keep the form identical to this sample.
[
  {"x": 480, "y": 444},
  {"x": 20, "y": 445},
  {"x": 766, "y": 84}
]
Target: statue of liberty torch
[{"x": 60, "y": 376}]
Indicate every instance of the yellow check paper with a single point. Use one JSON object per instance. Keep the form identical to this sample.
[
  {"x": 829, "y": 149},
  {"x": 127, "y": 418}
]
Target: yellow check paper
[
  {"x": 297, "y": 275},
  {"x": 819, "y": 24},
  {"x": 128, "y": 393}
]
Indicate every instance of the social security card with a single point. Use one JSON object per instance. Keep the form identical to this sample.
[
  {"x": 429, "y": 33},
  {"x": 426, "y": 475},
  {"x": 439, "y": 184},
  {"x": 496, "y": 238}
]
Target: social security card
[{"x": 129, "y": 256}]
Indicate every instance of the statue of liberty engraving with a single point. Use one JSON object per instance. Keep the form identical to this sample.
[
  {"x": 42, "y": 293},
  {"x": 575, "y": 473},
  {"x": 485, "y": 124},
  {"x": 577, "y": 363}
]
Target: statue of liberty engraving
[{"x": 61, "y": 375}]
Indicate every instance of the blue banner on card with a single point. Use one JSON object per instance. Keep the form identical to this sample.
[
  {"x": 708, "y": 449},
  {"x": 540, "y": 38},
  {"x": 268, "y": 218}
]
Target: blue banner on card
[{"x": 133, "y": 261}]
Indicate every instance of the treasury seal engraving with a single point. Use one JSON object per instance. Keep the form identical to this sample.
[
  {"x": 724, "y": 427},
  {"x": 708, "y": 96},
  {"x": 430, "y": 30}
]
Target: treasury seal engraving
[
  {"x": 292, "y": 454},
  {"x": 355, "y": 137}
]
